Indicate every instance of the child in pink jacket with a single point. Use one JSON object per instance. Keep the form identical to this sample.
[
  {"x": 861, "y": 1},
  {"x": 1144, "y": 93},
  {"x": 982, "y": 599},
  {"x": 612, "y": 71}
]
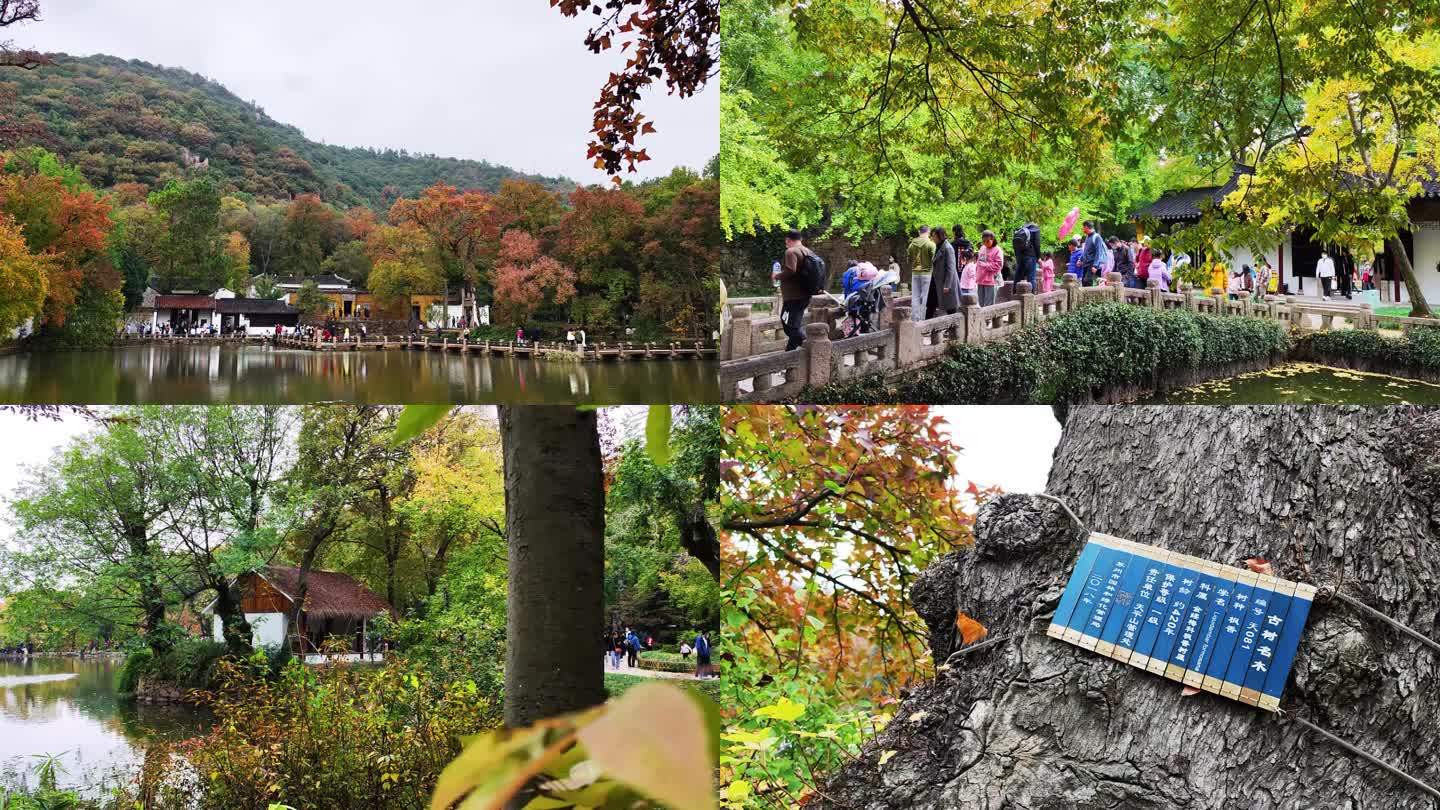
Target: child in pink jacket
[{"x": 988, "y": 266}]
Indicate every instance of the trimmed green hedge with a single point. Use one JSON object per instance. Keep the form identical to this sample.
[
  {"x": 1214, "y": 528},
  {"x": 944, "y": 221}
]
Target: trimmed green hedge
[
  {"x": 1068, "y": 358},
  {"x": 1418, "y": 348}
]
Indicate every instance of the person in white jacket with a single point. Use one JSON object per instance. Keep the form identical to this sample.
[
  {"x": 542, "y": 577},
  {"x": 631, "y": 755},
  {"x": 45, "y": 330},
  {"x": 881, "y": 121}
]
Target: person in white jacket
[{"x": 1325, "y": 271}]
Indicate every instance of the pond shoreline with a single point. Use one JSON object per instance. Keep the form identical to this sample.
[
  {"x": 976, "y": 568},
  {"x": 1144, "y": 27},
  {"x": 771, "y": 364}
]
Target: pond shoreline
[{"x": 231, "y": 371}]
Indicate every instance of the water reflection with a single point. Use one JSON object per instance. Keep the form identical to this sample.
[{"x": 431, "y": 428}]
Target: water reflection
[
  {"x": 1306, "y": 384},
  {"x": 258, "y": 374},
  {"x": 68, "y": 707}
]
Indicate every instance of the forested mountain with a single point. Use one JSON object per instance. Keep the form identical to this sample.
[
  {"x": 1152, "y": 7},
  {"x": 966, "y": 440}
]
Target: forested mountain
[{"x": 123, "y": 121}]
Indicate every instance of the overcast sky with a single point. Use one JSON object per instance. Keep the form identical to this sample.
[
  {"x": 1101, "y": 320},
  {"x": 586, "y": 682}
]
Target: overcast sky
[
  {"x": 1009, "y": 446},
  {"x": 508, "y": 81},
  {"x": 29, "y": 444}
]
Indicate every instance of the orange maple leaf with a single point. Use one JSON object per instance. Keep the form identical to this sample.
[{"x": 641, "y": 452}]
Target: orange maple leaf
[
  {"x": 1259, "y": 565},
  {"x": 971, "y": 631}
]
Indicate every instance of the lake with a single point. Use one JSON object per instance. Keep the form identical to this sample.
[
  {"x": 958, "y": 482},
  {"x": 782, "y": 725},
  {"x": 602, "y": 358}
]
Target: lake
[
  {"x": 204, "y": 374},
  {"x": 68, "y": 707},
  {"x": 1306, "y": 383}
]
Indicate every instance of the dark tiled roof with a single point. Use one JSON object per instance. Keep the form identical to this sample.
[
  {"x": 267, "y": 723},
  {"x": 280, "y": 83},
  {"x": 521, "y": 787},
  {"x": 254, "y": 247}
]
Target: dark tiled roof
[
  {"x": 323, "y": 280},
  {"x": 184, "y": 302},
  {"x": 255, "y": 306},
  {"x": 327, "y": 594},
  {"x": 1190, "y": 203}
]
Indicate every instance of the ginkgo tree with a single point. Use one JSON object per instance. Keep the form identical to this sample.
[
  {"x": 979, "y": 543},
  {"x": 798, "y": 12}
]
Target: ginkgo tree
[{"x": 1372, "y": 139}]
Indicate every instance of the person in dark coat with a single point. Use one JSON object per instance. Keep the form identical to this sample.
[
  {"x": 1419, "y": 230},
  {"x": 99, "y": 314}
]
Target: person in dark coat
[
  {"x": 944, "y": 279},
  {"x": 1124, "y": 265}
]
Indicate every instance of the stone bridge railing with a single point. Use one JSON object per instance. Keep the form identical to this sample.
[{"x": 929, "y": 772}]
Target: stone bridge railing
[{"x": 755, "y": 368}]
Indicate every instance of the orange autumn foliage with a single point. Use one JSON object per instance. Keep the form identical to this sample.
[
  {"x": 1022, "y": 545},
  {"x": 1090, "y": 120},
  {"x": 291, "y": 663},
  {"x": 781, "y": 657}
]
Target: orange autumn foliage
[{"x": 68, "y": 228}]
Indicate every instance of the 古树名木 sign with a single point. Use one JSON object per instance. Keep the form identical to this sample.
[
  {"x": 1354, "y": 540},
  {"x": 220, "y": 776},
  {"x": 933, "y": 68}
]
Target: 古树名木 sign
[{"x": 1222, "y": 629}]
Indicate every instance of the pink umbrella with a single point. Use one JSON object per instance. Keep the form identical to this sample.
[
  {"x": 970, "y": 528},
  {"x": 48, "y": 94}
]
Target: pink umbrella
[{"x": 1069, "y": 224}]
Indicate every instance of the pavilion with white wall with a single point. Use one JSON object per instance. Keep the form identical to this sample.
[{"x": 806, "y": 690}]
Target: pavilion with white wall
[{"x": 1294, "y": 260}]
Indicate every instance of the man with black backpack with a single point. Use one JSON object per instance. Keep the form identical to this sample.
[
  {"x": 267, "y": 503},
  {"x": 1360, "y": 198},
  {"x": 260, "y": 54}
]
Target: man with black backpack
[
  {"x": 802, "y": 274},
  {"x": 1026, "y": 241}
]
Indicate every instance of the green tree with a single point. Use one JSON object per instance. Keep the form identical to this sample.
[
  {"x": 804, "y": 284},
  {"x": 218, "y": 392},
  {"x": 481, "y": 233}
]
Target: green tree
[
  {"x": 310, "y": 300},
  {"x": 189, "y": 252},
  {"x": 94, "y": 515},
  {"x": 349, "y": 261}
]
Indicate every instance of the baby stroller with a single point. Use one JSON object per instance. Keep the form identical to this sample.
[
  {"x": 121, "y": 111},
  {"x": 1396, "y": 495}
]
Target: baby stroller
[{"x": 863, "y": 285}]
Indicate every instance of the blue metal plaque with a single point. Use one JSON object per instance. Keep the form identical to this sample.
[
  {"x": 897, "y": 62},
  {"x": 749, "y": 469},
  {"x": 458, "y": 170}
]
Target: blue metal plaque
[{"x": 1225, "y": 630}]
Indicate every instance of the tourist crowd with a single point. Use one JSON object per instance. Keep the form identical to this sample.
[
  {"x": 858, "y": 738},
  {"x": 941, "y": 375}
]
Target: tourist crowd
[
  {"x": 945, "y": 266},
  {"x": 627, "y": 645}
]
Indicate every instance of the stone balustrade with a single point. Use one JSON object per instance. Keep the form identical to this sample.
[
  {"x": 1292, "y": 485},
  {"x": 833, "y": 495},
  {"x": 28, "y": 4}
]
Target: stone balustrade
[{"x": 755, "y": 368}]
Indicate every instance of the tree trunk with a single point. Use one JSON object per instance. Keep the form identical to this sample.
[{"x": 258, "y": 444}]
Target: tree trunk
[
  {"x": 555, "y": 519},
  {"x": 1328, "y": 494},
  {"x": 235, "y": 630},
  {"x": 699, "y": 538},
  {"x": 1419, "y": 308},
  {"x": 147, "y": 578}
]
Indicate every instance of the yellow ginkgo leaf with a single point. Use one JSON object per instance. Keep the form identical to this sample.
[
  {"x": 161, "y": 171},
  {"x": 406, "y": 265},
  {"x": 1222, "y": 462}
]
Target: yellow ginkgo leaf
[{"x": 786, "y": 710}]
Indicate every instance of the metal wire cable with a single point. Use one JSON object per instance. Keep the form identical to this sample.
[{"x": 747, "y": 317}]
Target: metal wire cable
[
  {"x": 1373, "y": 760},
  {"x": 1415, "y": 634}
]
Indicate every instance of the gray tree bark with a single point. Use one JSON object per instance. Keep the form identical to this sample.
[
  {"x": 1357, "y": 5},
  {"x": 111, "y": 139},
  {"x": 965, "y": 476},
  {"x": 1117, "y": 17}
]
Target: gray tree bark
[
  {"x": 555, "y": 516},
  {"x": 1328, "y": 494}
]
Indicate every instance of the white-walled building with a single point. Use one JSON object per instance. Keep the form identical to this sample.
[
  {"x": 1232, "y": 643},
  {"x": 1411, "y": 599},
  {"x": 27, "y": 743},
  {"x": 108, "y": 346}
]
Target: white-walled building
[
  {"x": 1294, "y": 260},
  {"x": 338, "y": 610}
]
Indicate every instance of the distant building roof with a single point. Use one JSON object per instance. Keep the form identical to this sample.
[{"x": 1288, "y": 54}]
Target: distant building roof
[
  {"x": 255, "y": 306},
  {"x": 184, "y": 302},
  {"x": 1191, "y": 203},
  {"x": 325, "y": 281},
  {"x": 327, "y": 594}
]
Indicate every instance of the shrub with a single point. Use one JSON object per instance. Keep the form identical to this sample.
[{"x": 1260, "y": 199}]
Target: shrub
[
  {"x": 1417, "y": 349},
  {"x": 191, "y": 663},
  {"x": 90, "y": 324},
  {"x": 1008, "y": 371},
  {"x": 1071, "y": 357},
  {"x": 137, "y": 665},
  {"x": 382, "y": 736}
]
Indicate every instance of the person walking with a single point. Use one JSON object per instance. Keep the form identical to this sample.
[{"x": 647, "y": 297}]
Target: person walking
[
  {"x": 1160, "y": 273},
  {"x": 1072, "y": 264},
  {"x": 1047, "y": 273},
  {"x": 795, "y": 291},
  {"x": 702, "y": 655},
  {"x": 632, "y": 648},
  {"x": 967, "y": 274},
  {"x": 1325, "y": 271},
  {"x": 945, "y": 281},
  {"x": 1026, "y": 243},
  {"x": 1142, "y": 262},
  {"x": 922, "y": 256},
  {"x": 1124, "y": 265},
  {"x": 988, "y": 264},
  {"x": 1094, "y": 255}
]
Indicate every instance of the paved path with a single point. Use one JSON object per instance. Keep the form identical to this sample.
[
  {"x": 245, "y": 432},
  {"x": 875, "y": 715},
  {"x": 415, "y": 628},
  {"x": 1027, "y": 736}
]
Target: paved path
[{"x": 648, "y": 673}]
